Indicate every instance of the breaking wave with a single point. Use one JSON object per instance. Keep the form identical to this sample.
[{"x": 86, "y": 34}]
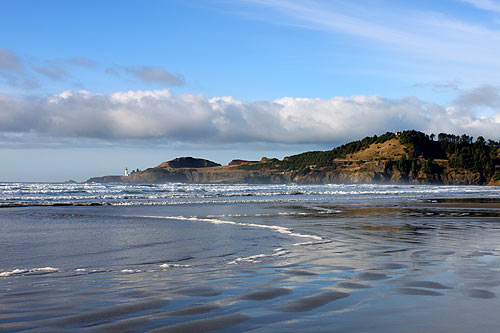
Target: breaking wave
[{"x": 42, "y": 194}]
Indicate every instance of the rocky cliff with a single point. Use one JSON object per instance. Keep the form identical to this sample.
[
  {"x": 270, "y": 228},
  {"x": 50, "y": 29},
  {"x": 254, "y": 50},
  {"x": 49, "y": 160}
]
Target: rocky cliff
[{"x": 404, "y": 158}]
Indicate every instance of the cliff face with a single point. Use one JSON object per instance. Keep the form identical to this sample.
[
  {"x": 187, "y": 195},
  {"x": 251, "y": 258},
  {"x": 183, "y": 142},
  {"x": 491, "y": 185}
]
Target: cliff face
[
  {"x": 367, "y": 172},
  {"x": 391, "y": 158}
]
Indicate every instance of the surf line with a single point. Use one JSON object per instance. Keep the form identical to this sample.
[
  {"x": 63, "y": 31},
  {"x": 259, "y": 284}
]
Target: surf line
[{"x": 281, "y": 230}]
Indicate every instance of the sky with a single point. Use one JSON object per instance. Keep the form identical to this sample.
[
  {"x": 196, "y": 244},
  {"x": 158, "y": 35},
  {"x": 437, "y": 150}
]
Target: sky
[{"x": 88, "y": 88}]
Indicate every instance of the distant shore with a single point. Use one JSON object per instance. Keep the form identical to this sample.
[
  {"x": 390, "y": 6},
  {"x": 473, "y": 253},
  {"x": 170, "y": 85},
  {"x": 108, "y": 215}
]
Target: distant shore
[{"x": 408, "y": 157}]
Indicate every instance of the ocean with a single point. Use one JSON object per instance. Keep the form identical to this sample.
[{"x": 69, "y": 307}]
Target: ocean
[{"x": 249, "y": 258}]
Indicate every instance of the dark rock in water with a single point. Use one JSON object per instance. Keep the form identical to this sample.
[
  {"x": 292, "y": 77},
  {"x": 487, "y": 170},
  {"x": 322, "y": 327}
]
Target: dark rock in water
[
  {"x": 108, "y": 179},
  {"x": 188, "y": 162}
]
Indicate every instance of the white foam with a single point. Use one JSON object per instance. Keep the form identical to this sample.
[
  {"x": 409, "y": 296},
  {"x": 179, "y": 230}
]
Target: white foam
[
  {"x": 324, "y": 241},
  {"x": 325, "y": 210},
  {"x": 80, "y": 270},
  {"x": 253, "y": 259},
  {"x": 16, "y": 271},
  {"x": 46, "y": 269},
  {"x": 250, "y": 259},
  {"x": 174, "y": 266},
  {"x": 172, "y": 193},
  {"x": 279, "y": 229},
  {"x": 22, "y": 271},
  {"x": 130, "y": 271}
]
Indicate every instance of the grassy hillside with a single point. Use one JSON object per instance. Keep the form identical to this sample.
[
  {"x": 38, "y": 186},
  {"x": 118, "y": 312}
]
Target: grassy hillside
[
  {"x": 320, "y": 158},
  {"x": 412, "y": 154}
]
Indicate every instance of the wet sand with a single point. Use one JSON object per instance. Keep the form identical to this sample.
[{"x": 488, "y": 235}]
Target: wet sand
[{"x": 380, "y": 267}]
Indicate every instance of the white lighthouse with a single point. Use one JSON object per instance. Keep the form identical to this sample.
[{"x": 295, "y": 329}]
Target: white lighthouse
[{"x": 126, "y": 172}]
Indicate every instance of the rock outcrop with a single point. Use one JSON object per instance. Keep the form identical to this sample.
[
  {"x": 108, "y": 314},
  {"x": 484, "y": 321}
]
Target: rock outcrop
[
  {"x": 188, "y": 162},
  {"x": 392, "y": 158}
]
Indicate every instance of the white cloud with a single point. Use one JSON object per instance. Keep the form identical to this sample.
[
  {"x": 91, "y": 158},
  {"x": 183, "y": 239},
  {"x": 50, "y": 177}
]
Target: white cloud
[
  {"x": 159, "y": 115},
  {"x": 485, "y": 4},
  {"x": 419, "y": 35}
]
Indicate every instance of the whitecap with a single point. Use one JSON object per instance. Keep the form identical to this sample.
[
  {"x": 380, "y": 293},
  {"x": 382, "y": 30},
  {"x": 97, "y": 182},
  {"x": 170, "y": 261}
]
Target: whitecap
[
  {"x": 130, "y": 271},
  {"x": 46, "y": 269},
  {"x": 22, "y": 271},
  {"x": 174, "y": 266},
  {"x": 16, "y": 271}
]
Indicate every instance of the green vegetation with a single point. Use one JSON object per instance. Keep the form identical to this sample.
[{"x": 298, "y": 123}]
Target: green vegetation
[
  {"x": 424, "y": 155},
  {"x": 319, "y": 159},
  {"x": 463, "y": 153}
]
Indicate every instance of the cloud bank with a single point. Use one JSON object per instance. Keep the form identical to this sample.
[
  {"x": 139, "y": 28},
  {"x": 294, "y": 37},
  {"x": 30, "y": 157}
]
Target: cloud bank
[{"x": 161, "y": 115}]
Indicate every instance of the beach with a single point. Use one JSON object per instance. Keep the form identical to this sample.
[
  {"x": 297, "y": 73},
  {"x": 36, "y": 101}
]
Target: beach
[{"x": 249, "y": 258}]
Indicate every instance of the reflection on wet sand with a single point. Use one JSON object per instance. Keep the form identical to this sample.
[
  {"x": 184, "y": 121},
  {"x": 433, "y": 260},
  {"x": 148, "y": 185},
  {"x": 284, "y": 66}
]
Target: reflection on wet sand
[{"x": 395, "y": 265}]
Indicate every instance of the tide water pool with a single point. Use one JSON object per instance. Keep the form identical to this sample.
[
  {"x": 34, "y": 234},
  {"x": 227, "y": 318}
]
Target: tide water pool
[{"x": 264, "y": 258}]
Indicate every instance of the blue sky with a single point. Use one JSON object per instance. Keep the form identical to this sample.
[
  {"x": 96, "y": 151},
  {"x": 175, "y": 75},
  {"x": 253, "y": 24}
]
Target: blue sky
[{"x": 87, "y": 88}]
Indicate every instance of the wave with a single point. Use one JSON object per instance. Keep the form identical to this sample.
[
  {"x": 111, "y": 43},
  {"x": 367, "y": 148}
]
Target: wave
[
  {"x": 39, "y": 194},
  {"x": 175, "y": 266},
  {"x": 130, "y": 271},
  {"x": 279, "y": 229},
  {"x": 49, "y": 204},
  {"x": 33, "y": 271}
]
